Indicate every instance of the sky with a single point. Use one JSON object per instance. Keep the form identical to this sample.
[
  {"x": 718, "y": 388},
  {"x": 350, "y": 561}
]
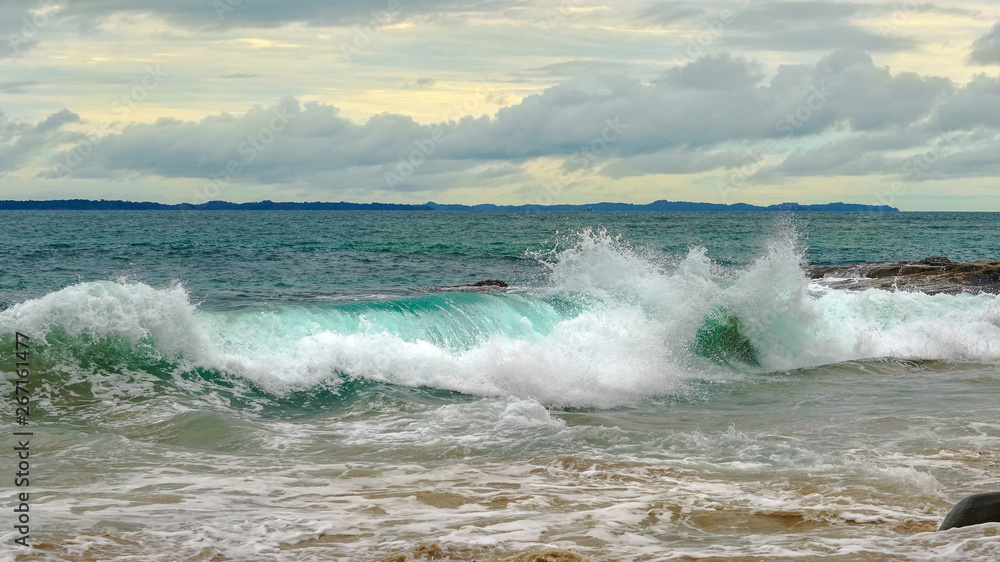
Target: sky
[{"x": 509, "y": 102}]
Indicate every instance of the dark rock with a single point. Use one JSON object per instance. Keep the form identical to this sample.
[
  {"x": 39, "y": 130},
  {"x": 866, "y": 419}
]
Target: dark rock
[
  {"x": 484, "y": 286},
  {"x": 973, "y": 510},
  {"x": 929, "y": 275},
  {"x": 487, "y": 283}
]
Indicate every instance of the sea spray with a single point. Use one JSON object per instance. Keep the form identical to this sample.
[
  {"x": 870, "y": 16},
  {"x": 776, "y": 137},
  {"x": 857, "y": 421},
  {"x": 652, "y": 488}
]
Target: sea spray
[{"x": 638, "y": 324}]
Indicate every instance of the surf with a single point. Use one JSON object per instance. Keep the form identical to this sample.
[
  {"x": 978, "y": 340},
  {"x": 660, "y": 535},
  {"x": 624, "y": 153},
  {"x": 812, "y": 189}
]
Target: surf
[{"x": 611, "y": 324}]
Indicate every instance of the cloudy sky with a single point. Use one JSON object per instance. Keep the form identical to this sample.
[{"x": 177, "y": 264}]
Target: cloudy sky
[{"x": 505, "y": 101}]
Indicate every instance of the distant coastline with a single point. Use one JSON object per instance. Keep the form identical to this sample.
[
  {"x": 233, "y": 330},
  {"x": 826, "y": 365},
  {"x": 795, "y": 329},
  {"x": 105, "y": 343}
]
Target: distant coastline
[{"x": 661, "y": 205}]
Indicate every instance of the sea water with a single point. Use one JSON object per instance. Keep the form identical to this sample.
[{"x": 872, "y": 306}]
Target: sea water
[{"x": 311, "y": 385}]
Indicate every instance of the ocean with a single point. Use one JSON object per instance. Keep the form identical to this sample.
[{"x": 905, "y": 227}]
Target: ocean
[{"x": 311, "y": 385}]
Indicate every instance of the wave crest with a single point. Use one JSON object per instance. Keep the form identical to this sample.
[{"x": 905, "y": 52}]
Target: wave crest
[{"x": 614, "y": 324}]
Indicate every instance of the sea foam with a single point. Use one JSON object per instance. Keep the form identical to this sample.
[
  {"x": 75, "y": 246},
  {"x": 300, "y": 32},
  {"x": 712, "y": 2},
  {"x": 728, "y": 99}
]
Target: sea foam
[{"x": 613, "y": 324}]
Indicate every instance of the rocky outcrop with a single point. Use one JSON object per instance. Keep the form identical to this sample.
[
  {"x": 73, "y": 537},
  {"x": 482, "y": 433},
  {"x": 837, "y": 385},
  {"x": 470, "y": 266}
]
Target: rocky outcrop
[{"x": 930, "y": 275}]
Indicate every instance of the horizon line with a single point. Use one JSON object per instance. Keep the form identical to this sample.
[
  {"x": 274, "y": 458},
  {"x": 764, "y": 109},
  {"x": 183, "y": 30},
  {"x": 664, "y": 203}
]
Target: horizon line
[{"x": 90, "y": 204}]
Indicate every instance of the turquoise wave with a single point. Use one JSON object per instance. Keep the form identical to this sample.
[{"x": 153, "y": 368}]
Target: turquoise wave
[{"x": 612, "y": 326}]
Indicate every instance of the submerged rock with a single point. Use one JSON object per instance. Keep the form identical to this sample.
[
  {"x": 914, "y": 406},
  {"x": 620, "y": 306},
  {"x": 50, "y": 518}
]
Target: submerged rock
[
  {"x": 929, "y": 275},
  {"x": 973, "y": 510},
  {"x": 487, "y": 283},
  {"x": 478, "y": 286}
]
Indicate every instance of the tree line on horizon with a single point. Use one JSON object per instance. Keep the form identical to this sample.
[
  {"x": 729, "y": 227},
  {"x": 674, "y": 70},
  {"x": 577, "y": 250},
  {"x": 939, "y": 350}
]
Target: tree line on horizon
[{"x": 661, "y": 205}]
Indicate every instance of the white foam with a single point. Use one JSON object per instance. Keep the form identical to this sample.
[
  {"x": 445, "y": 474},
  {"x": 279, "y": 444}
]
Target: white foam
[
  {"x": 630, "y": 335},
  {"x": 130, "y": 310}
]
